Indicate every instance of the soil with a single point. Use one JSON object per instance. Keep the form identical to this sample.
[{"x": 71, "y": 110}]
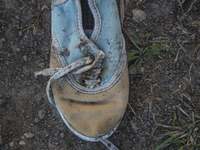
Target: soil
[{"x": 164, "y": 96}]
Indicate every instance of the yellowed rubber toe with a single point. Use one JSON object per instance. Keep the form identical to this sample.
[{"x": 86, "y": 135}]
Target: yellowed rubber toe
[{"x": 91, "y": 115}]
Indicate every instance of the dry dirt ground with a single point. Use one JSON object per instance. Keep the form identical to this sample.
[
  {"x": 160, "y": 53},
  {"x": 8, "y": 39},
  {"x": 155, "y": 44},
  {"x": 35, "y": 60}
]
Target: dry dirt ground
[{"x": 164, "y": 97}]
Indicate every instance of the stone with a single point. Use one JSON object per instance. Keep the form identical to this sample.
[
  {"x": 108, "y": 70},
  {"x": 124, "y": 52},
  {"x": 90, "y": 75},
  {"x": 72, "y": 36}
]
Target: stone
[
  {"x": 11, "y": 144},
  {"x": 62, "y": 135},
  {"x": 20, "y": 33},
  {"x": 36, "y": 120},
  {"x": 138, "y": 15},
  {"x": 41, "y": 114},
  {"x": 22, "y": 143},
  {"x": 25, "y": 58},
  {"x": 51, "y": 146},
  {"x": 29, "y": 135},
  {"x": 133, "y": 71},
  {"x": 9, "y": 55},
  {"x": 167, "y": 72},
  {"x": 3, "y": 40},
  {"x": 179, "y": 41}
]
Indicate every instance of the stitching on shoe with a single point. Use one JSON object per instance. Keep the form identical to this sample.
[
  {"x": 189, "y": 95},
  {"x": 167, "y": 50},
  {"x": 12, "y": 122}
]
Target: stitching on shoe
[
  {"x": 57, "y": 2},
  {"x": 97, "y": 19},
  {"x": 89, "y": 43}
]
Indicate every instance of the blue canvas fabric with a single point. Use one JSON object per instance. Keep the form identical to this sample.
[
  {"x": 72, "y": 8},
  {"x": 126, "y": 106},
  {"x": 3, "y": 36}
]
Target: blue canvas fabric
[{"x": 110, "y": 39}]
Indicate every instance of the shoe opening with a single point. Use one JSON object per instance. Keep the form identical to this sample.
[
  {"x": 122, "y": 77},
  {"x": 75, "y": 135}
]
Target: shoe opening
[{"x": 87, "y": 17}]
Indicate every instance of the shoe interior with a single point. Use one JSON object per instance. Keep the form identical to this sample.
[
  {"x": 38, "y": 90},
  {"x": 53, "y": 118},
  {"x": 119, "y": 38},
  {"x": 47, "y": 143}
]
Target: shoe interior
[{"x": 87, "y": 17}]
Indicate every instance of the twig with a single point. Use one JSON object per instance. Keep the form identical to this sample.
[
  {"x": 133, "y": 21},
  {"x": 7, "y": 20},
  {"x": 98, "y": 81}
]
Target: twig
[
  {"x": 150, "y": 108},
  {"x": 186, "y": 95},
  {"x": 183, "y": 48},
  {"x": 190, "y": 76},
  {"x": 181, "y": 6},
  {"x": 153, "y": 25},
  {"x": 2, "y": 21},
  {"x": 128, "y": 116},
  {"x": 175, "y": 91},
  {"x": 197, "y": 116},
  {"x": 190, "y": 7},
  {"x": 196, "y": 48},
  {"x": 176, "y": 59},
  {"x": 184, "y": 112},
  {"x": 183, "y": 2},
  {"x": 181, "y": 99},
  {"x": 3, "y": 52},
  {"x": 154, "y": 118},
  {"x": 166, "y": 126},
  {"x": 154, "y": 130},
  {"x": 193, "y": 120},
  {"x": 35, "y": 25},
  {"x": 187, "y": 81},
  {"x": 122, "y": 11},
  {"x": 169, "y": 133},
  {"x": 132, "y": 109},
  {"x": 140, "y": 1},
  {"x": 132, "y": 40},
  {"x": 182, "y": 136},
  {"x": 152, "y": 87}
]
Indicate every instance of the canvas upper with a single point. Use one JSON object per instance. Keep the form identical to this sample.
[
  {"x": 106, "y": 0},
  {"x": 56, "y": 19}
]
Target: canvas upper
[{"x": 106, "y": 35}]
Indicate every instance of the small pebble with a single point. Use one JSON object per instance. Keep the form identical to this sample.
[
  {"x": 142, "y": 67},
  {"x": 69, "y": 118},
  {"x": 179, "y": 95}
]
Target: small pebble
[
  {"x": 41, "y": 114},
  {"x": 3, "y": 39},
  {"x": 179, "y": 41},
  {"x": 11, "y": 144},
  {"x": 46, "y": 136},
  {"x": 167, "y": 72},
  {"x": 138, "y": 15},
  {"x": 36, "y": 120},
  {"x": 42, "y": 65},
  {"x": 22, "y": 143},
  {"x": 62, "y": 135},
  {"x": 167, "y": 49},
  {"x": 29, "y": 135},
  {"x": 57, "y": 134},
  {"x": 25, "y": 58},
  {"x": 8, "y": 54},
  {"x": 20, "y": 33},
  {"x": 51, "y": 146},
  {"x": 137, "y": 30},
  {"x": 18, "y": 49}
]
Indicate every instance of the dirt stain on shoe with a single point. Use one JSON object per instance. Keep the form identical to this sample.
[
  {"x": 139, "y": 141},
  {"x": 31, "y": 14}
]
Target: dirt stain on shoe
[
  {"x": 82, "y": 48},
  {"x": 102, "y": 102}
]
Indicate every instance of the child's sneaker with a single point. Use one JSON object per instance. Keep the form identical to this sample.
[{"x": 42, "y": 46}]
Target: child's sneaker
[{"x": 88, "y": 63}]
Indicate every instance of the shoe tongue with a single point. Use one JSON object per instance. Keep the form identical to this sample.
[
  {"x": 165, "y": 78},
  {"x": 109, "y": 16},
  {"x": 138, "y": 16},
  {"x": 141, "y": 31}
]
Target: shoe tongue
[{"x": 87, "y": 18}]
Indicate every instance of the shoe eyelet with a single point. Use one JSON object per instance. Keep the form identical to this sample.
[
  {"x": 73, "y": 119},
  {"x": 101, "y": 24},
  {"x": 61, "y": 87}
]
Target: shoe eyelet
[{"x": 82, "y": 81}]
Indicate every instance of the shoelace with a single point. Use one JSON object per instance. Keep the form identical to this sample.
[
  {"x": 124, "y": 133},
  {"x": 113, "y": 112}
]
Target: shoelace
[{"x": 77, "y": 67}]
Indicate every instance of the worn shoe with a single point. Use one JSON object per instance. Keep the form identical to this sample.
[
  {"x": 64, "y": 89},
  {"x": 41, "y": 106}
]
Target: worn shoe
[{"x": 88, "y": 67}]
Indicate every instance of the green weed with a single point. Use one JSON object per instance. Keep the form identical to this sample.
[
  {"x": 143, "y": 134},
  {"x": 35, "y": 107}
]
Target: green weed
[
  {"x": 188, "y": 138},
  {"x": 147, "y": 50}
]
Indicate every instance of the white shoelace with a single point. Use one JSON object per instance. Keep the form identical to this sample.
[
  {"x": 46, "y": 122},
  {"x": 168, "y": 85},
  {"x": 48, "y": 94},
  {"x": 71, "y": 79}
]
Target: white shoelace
[{"x": 77, "y": 67}]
